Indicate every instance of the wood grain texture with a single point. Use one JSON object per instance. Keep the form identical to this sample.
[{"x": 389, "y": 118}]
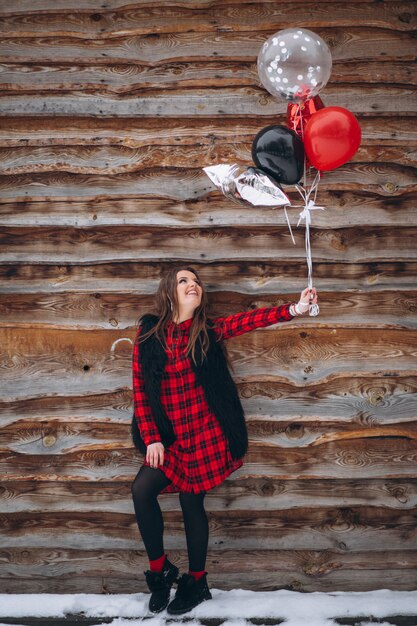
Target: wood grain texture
[
  {"x": 154, "y": 19},
  {"x": 346, "y": 208},
  {"x": 378, "y": 457},
  {"x": 36, "y": 362},
  {"x": 390, "y": 180},
  {"x": 301, "y": 570},
  {"x": 125, "y": 160},
  {"x": 347, "y": 43},
  {"x": 272, "y": 406},
  {"x": 262, "y": 243},
  {"x": 180, "y": 131},
  {"x": 25, "y": 6},
  {"x": 272, "y": 276},
  {"x": 55, "y": 437},
  {"x": 377, "y": 495},
  {"x": 366, "y": 401},
  {"x": 127, "y": 79},
  {"x": 347, "y": 528},
  {"x": 86, "y": 311},
  {"x": 209, "y": 102},
  {"x": 357, "y": 579}
]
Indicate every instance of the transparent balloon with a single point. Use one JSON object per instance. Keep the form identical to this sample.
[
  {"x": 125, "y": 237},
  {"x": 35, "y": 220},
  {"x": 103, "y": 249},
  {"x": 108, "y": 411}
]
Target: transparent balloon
[{"x": 294, "y": 64}]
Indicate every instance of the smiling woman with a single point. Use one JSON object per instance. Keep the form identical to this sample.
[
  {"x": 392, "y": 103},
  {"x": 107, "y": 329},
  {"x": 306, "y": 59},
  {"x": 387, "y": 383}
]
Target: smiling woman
[
  {"x": 189, "y": 292},
  {"x": 188, "y": 421}
]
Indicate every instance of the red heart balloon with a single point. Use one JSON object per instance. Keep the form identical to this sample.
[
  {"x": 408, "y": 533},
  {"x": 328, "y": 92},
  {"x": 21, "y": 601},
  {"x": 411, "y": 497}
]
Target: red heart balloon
[
  {"x": 299, "y": 114},
  {"x": 331, "y": 138}
]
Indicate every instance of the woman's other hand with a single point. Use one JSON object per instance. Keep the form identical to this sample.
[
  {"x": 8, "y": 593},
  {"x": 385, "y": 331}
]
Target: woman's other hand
[
  {"x": 307, "y": 297},
  {"x": 155, "y": 454}
]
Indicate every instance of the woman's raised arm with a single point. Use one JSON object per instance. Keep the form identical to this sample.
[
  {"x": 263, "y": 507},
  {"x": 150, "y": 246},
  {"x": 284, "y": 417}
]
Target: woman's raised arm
[{"x": 239, "y": 323}]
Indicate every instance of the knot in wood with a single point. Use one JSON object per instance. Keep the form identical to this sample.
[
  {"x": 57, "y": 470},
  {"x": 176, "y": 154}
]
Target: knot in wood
[
  {"x": 100, "y": 461},
  {"x": 390, "y": 187},
  {"x": 267, "y": 489},
  {"x": 376, "y": 396},
  {"x": 48, "y": 440},
  {"x": 399, "y": 494},
  {"x": 294, "y": 431}
]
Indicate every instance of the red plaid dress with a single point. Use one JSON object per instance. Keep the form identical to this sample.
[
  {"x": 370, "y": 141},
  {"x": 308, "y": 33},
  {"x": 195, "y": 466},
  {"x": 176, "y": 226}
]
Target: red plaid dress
[{"x": 199, "y": 459}]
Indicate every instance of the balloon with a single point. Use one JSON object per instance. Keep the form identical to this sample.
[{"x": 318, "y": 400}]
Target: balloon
[
  {"x": 299, "y": 114},
  {"x": 331, "y": 138},
  {"x": 294, "y": 64},
  {"x": 279, "y": 152},
  {"x": 246, "y": 185}
]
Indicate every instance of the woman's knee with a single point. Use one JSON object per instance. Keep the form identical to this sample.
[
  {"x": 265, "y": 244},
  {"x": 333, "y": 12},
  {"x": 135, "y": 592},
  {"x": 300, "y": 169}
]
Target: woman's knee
[
  {"x": 137, "y": 488},
  {"x": 147, "y": 484}
]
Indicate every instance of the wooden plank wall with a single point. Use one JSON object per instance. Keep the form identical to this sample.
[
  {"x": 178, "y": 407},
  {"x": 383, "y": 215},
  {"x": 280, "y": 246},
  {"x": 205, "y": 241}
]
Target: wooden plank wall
[{"x": 109, "y": 110}]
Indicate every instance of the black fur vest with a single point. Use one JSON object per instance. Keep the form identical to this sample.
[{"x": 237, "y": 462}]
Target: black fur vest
[{"x": 214, "y": 377}]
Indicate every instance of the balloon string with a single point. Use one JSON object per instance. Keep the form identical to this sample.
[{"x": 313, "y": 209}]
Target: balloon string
[
  {"x": 309, "y": 205},
  {"x": 289, "y": 225}
]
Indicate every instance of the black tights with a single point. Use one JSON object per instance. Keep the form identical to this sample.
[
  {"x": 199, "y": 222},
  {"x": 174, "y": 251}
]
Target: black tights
[{"x": 146, "y": 487}]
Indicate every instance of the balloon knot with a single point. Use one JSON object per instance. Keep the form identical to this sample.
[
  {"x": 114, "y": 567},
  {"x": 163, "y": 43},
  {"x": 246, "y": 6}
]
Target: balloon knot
[{"x": 305, "y": 213}]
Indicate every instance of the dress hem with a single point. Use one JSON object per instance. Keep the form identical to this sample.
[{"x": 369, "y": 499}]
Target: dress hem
[{"x": 178, "y": 489}]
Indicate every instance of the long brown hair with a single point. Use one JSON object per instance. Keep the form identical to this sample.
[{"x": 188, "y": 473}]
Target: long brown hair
[{"x": 167, "y": 293}]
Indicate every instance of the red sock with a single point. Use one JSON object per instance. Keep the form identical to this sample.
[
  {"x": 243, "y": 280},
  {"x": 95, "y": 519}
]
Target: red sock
[
  {"x": 157, "y": 564},
  {"x": 197, "y": 575}
]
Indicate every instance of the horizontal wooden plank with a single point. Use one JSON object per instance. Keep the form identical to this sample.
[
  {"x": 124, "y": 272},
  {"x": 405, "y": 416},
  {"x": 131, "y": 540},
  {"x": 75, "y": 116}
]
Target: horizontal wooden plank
[
  {"x": 55, "y": 437},
  {"x": 80, "y": 310},
  {"x": 347, "y": 43},
  {"x": 351, "y": 400},
  {"x": 354, "y": 402},
  {"x": 261, "y": 243},
  {"x": 9, "y": 8},
  {"x": 120, "y": 159},
  {"x": 342, "y": 209},
  {"x": 155, "y": 19},
  {"x": 239, "y": 494},
  {"x": 389, "y": 457},
  {"x": 210, "y": 102},
  {"x": 177, "y": 131},
  {"x": 399, "y": 580},
  {"x": 345, "y": 528},
  {"x": 272, "y": 276},
  {"x": 31, "y": 78},
  {"x": 303, "y": 570},
  {"x": 38, "y": 362},
  {"x": 186, "y": 184}
]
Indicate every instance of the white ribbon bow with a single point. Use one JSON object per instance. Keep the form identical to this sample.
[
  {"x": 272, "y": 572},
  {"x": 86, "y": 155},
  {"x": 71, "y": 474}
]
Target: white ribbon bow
[{"x": 305, "y": 213}]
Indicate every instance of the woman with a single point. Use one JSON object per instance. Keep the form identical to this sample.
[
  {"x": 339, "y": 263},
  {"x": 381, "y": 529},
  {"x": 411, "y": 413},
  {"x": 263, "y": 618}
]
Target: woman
[{"x": 188, "y": 422}]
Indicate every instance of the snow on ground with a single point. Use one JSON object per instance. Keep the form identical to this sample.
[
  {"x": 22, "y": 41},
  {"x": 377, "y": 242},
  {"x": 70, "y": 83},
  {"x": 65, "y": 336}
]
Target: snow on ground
[{"x": 235, "y": 607}]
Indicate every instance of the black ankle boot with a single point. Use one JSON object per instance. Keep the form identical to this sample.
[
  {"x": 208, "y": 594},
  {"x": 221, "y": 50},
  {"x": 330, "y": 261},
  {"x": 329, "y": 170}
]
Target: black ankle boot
[
  {"x": 190, "y": 592},
  {"x": 160, "y": 584}
]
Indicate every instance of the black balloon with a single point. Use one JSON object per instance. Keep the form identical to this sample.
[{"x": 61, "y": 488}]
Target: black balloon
[{"x": 279, "y": 152}]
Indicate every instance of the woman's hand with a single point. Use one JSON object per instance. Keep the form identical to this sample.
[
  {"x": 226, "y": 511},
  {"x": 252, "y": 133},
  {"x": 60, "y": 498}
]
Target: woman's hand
[
  {"x": 155, "y": 454},
  {"x": 307, "y": 297}
]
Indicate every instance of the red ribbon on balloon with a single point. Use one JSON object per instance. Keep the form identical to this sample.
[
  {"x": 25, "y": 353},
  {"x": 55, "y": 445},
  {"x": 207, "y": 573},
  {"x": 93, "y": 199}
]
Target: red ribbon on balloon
[{"x": 299, "y": 114}]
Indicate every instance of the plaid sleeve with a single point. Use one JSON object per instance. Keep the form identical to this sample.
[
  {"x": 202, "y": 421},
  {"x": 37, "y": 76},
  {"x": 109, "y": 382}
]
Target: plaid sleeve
[
  {"x": 141, "y": 406},
  {"x": 240, "y": 323}
]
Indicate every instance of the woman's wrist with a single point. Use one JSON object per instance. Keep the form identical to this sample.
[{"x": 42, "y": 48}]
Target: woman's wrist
[{"x": 295, "y": 309}]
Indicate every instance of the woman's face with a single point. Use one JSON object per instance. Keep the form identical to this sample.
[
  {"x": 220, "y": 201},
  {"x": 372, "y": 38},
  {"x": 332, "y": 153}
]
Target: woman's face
[{"x": 189, "y": 290}]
